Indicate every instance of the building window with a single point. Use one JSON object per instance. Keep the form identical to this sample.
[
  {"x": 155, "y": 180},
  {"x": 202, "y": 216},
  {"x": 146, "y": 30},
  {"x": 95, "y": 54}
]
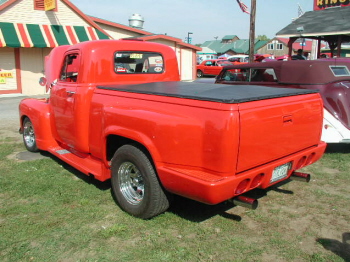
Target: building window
[
  {"x": 270, "y": 46},
  {"x": 40, "y": 5},
  {"x": 279, "y": 46}
]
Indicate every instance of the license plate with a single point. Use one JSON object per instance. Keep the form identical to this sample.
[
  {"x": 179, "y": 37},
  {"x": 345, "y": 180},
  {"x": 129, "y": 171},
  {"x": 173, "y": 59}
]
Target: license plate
[{"x": 280, "y": 172}]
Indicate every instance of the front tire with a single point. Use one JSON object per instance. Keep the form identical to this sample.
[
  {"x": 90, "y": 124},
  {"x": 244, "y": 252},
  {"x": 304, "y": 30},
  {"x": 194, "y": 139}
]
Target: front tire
[
  {"x": 29, "y": 139},
  {"x": 199, "y": 73},
  {"x": 135, "y": 184}
]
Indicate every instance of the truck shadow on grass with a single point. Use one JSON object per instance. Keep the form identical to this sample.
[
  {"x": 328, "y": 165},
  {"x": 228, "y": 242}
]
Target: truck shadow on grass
[
  {"x": 338, "y": 148},
  {"x": 106, "y": 185},
  {"x": 199, "y": 212},
  {"x": 185, "y": 208},
  {"x": 341, "y": 249}
]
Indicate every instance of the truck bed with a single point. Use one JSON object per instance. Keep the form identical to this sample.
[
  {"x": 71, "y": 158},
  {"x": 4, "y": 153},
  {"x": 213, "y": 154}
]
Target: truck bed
[{"x": 234, "y": 94}]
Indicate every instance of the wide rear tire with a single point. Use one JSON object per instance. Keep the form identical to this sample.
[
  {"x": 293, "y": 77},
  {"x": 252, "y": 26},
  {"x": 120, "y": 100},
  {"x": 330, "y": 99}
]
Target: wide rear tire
[{"x": 135, "y": 184}]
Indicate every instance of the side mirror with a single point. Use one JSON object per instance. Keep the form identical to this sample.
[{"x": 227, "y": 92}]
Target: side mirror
[{"x": 42, "y": 81}]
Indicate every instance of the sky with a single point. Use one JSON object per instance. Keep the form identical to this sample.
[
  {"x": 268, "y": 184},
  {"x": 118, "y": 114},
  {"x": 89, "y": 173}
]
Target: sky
[{"x": 206, "y": 19}]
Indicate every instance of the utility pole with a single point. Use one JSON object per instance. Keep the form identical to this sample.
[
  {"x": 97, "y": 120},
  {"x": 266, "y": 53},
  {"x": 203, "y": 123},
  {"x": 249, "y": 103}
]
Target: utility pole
[{"x": 252, "y": 31}]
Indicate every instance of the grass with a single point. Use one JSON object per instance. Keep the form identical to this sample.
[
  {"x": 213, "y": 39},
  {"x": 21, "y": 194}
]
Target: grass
[{"x": 51, "y": 212}]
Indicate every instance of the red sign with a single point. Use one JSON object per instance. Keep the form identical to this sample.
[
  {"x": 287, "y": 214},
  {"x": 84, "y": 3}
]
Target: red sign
[{"x": 323, "y": 4}]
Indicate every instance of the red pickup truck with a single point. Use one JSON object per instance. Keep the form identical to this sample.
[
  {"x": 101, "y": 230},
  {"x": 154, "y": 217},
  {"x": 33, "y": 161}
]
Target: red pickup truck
[{"x": 118, "y": 111}]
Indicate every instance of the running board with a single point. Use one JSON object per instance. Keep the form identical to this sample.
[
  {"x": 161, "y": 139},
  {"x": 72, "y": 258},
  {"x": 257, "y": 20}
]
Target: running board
[{"x": 87, "y": 164}]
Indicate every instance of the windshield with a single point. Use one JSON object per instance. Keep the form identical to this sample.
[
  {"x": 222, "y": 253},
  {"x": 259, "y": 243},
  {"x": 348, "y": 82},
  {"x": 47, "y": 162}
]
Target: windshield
[{"x": 223, "y": 63}]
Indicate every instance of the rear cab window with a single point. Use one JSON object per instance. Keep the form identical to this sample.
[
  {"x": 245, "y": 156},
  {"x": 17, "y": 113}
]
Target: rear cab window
[{"x": 129, "y": 62}]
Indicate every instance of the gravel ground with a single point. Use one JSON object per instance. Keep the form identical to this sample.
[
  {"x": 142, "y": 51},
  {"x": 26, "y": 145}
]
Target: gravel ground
[{"x": 9, "y": 117}]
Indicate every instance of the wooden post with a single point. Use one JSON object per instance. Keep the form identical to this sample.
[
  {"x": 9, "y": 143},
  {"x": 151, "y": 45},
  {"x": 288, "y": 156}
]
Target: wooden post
[
  {"x": 318, "y": 48},
  {"x": 290, "y": 47},
  {"x": 340, "y": 40},
  {"x": 252, "y": 31}
]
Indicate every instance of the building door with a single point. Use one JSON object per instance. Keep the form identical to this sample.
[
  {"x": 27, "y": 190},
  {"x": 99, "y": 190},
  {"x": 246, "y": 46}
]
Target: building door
[{"x": 8, "y": 71}]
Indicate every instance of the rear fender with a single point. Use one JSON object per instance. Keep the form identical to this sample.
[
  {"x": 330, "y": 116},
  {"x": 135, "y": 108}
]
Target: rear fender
[
  {"x": 132, "y": 136},
  {"x": 37, "y": 110}
]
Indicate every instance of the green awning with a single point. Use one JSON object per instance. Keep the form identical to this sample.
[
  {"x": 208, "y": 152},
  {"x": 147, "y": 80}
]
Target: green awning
[{"x": 35, "y": 35}]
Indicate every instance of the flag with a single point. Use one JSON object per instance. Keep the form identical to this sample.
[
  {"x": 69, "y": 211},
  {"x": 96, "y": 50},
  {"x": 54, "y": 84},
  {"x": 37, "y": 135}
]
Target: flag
[{"x": 243, "y": 7}]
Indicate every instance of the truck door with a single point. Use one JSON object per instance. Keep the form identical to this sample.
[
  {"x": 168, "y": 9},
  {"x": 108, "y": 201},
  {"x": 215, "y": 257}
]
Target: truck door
[
  {"x": 208, "y": 67},
  {"x": 63, "y": 100}
]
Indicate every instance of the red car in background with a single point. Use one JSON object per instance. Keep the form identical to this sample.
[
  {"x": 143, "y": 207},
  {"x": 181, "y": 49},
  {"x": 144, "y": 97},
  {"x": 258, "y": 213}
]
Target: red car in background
[{"x": 211, "y": 67}]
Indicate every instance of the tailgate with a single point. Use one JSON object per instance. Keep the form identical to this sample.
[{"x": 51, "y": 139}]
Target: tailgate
[{"x": 274, "y": 128}]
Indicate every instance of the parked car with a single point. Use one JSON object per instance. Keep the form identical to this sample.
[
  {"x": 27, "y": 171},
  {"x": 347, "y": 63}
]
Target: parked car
[
  {"x": 330, "y": 76},
  {"x": 211, "y": 67},
  {"x": 239, "y": 58}
]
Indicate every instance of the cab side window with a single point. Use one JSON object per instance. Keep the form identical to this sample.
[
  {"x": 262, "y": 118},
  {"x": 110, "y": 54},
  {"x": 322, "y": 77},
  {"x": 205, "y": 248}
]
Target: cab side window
[
  {"x": 70, "y": 69},
  {"x": 263, "y": 75},
  {"x": 236, "y": 75}
]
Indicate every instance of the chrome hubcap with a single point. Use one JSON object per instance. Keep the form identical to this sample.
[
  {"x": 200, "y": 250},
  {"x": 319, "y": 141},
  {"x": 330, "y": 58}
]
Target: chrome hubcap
[
  {"x": 131, "y": 183},
  {"x": 28, "y": 134}
]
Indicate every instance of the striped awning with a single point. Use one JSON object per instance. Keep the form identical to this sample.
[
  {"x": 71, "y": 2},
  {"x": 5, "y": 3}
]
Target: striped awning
[{"x": 35, "y": 35}]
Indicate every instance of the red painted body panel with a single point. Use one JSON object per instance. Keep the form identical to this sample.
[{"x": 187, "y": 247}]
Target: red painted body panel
[
  {"x": 181, "y": 132},
  {"x": 38, "y": 112},
  {"x": 273, "y": 129},
  {"x": 210, "y": 188},
  {"x": 207, "y": 150}
]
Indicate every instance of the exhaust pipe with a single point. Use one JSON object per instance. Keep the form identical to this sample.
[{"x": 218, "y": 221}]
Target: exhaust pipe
[
  {"x": 245, "y": 202},
  {"x": 298, "y": 176}
]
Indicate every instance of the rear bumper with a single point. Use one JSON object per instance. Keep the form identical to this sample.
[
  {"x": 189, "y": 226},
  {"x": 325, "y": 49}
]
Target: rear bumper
[{"x": 213, "y": 189}]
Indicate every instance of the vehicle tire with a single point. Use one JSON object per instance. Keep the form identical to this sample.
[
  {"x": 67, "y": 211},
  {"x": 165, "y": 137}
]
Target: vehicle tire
[
  {"x": 199, "y": 73},
  {"x": 29, "y": 139},
  {"x": 135, "y": 184}
]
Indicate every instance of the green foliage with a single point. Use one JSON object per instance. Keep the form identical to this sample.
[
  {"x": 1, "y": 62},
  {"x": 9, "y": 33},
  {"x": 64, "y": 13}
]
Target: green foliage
[{"x": 262, "y": 38}]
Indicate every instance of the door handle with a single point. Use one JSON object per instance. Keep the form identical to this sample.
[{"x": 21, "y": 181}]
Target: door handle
[
  {"x": 70, "y": 92},
  {"x": 288, "y": 119}
]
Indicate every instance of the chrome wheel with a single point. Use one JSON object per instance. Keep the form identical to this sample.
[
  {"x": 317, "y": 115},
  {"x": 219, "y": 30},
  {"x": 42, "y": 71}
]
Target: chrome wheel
[
  {"x": 135, "y": 184},
  {"x": 131, "y": 183},
  {"x": 28, "y": 134},
  {"x": 29, "y": 139}
]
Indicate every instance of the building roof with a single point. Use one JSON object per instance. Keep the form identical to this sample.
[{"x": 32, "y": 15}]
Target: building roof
[
  {"x": 30, "y": 35},
  {"x": 331, "y": 21},
  {"x": 7, "y": 3},
  {"x": 206, "y": 50},
  {"x": 228, "y": 37},
  {"x": 307, "y": 45},
  {"x": 114, "y": 24},
  {"x": 239, "y": 46}
]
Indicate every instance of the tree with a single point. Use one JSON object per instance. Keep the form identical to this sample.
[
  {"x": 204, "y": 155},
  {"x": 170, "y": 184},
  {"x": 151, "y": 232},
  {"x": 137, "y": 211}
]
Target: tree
[{"x": 263, "y": 38}]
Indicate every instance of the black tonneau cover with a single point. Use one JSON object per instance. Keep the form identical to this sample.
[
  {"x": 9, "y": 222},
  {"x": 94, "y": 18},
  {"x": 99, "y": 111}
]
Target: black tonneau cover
[{"x": 230, "y": 94}]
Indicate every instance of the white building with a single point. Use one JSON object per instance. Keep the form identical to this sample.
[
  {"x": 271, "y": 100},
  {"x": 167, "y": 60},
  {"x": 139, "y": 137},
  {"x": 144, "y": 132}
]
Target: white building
[{"x": 28, "y": 33}]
